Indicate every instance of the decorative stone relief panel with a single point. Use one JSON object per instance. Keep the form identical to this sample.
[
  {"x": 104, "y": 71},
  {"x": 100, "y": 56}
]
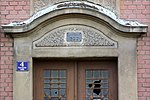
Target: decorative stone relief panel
[
  {"x": 80, "y": 36},
  {"x": 39, "y": 4}
]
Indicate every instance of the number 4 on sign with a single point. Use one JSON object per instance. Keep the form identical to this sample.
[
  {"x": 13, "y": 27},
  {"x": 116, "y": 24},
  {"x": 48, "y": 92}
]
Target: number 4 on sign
[{"x": 22, "y": 64}]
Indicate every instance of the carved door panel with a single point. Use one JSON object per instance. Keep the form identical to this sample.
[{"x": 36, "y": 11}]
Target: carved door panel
[
  {"x": 80, "y": 80},
  {"x": 97, "y": 80}
]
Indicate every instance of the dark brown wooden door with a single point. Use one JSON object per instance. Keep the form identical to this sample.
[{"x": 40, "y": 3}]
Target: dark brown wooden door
[{"x": 75, "y": 80}]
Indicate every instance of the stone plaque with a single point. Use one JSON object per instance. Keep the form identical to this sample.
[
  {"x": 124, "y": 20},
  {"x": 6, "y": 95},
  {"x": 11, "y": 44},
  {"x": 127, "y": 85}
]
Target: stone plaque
[{"x": 74, "y": 37}]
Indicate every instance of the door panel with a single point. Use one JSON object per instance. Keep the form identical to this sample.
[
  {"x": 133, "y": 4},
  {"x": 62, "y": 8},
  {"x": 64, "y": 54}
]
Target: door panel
[
  {"x": 97, "y": 81},
  {"x": 80, "y": 80},
  {"x": 53, "y": 80}
]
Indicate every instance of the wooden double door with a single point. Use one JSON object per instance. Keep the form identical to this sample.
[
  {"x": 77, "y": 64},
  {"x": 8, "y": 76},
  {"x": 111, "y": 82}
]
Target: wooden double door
[{"x": 75, "y": 80}]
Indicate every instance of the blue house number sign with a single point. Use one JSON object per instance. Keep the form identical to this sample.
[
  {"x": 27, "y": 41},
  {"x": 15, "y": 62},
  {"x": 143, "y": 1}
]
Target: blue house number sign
[{"x": 22, "y": 66}]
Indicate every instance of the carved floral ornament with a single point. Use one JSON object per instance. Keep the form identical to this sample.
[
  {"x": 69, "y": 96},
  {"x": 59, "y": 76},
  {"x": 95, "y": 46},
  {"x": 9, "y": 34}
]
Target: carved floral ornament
[{"x": 89, "y": 37}]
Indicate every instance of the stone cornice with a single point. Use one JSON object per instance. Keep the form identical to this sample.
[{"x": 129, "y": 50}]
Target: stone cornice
[{"x": 76, "y": 7}]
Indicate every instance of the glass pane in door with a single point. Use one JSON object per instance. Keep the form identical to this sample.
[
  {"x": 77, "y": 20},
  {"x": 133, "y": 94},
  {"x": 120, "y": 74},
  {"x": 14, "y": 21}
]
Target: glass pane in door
[
  {"x": 97, "y": 84},
  {"x": 54, "y": 84}
]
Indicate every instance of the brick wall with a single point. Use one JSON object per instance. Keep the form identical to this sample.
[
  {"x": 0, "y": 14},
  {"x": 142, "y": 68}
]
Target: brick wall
[
  {"x": 10, "y": 10},
  {"x": 18, "y": 10},
  {"x": 140, "y": 10}
]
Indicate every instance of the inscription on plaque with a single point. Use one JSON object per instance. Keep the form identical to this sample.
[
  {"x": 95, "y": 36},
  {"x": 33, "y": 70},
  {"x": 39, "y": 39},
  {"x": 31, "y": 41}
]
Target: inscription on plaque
[{"x": 74, "y": 37}]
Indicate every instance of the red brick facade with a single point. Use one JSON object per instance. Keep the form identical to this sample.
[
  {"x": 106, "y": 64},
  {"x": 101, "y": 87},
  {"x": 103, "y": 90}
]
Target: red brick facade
[
  {"x": 10, "y": 10},
  {"x": 140, "y": 10},
  {"x": 18, "y": 10}
]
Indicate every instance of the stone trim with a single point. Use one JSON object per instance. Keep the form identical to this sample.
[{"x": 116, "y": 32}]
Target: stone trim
[{"x": 75, "y": 7}]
